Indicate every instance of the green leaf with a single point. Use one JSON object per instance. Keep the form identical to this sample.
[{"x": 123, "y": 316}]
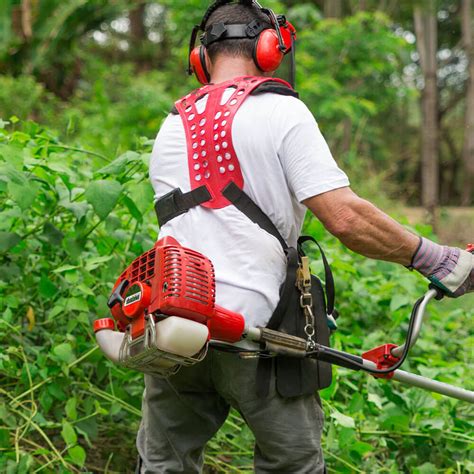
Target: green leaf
[
  {"x": 356, "y": 404},
  {"x": 65, "y": 268},
  {"x": 376, "y": 400},
  {"x": 433, "y": 423},
  {"x": 46, "y": 287},
  {"x": 77, "y": 455},
  {"x": 361, "y": 448},
  {"x": 103, "y": 196},
  {"x": 77, "y": 304},
  {"x": 119, "y": 165},
  {"x": 399, "y": 300},
  {"x": 57, "y": 392},
  {"x": 426, "y": 468},
  {"x": 396, "y": 422},
  {"x": 8, "y": 240},
  {"x": 52, "y": 234},
  {"x": 64, "y": 352},
  {"x": 93, "y": 263},
  {"x": 46, "y": 401},
  {"x": 4, "y": 438},
  {"x": 68, "y": 433},
  {"x": 23, "y": 194},
  {"x": 133, "y": 209},
  {"x": 70, "y": 408},
  {"x": 79, "y": 209},
  {"x": 13, "y": 155},
  {"x": 143, "y": 196},
  {"x": 343, "y": 420}
]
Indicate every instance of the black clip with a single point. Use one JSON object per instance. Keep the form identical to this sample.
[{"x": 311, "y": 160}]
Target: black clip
[
  {"x": 254, "y": 28},
  {"x": 216, "y": 32}
]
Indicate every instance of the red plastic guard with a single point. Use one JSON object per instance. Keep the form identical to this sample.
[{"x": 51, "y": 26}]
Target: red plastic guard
[
  {"x": 382, "y": 356},
  {"x": 212, "y": 159}
]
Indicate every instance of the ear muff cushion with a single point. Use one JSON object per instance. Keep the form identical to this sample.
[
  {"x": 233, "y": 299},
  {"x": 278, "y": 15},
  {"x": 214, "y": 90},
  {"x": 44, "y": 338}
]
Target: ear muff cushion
[
  {"x": 198, "y": 63},
  {"x": 267, "y": 54}
]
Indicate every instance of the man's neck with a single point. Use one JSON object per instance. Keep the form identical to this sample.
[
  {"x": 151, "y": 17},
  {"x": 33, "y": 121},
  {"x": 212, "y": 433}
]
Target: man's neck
[{"x": 226, "y": 68}]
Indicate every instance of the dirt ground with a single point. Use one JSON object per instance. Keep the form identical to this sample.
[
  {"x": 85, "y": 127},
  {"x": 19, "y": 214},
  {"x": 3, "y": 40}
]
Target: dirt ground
[{"x": 455, "y": 226}]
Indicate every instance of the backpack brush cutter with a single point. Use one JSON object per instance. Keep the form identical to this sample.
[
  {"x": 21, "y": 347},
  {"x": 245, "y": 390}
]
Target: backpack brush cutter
[{"x": 163, "y": 306}]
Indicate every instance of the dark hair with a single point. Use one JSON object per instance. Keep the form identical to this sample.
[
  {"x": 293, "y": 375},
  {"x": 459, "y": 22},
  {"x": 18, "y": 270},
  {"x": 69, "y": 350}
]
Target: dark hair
[{"x": 234, "y": 14}]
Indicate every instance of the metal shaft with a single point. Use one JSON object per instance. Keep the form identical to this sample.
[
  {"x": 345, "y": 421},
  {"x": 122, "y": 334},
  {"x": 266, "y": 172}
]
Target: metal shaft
[{"x": 428, "y": 384}]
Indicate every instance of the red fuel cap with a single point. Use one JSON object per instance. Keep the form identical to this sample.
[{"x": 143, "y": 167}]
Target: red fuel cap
[{"x": 101, "y": 324}]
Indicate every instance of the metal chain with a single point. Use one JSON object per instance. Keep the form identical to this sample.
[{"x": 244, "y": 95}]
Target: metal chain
[{"x": 303, "y": 282}]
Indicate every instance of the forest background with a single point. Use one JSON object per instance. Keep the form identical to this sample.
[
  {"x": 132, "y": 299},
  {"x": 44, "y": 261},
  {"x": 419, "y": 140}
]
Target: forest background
[{"x": 84, "y": 87}]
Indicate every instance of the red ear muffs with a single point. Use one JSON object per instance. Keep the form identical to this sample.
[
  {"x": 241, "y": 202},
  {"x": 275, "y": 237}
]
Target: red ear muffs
[
  {"x": 267, "y": 53},
  {"x": 197, "y": 61}
]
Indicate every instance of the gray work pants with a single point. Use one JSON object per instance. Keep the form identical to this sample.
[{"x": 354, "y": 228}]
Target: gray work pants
[{"x": 182, "y": 413}]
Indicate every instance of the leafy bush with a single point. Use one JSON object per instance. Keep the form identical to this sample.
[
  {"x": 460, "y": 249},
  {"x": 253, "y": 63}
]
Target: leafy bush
[
  {"x": 25, "y": 98},
  {"x": 108, "y": 115},
  {"x": 71, "y": 222}
]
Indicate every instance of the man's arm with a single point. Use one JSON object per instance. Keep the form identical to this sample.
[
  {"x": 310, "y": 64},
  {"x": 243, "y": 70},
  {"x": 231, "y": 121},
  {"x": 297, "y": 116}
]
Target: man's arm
[{"x": 363, "y": 228}]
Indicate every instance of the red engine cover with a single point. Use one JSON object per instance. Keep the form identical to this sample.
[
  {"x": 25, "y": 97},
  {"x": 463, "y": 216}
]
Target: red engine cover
[
  {"x": 184, "y": 283},
  {"x": 175, "y": 281}
]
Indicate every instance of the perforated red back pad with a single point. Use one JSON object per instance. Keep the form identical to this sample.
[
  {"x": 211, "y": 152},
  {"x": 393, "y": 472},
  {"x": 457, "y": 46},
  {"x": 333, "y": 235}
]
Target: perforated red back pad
[{"x": 212, "y": 160}]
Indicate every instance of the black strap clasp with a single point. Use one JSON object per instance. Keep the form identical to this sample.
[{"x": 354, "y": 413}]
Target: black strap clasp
[{"x": 176, "y": 203}]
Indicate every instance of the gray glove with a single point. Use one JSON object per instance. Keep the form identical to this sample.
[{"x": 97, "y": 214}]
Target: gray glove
[{"x": 448, "y": 268}]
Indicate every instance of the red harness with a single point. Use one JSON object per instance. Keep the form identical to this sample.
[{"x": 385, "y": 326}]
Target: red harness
[{"x": 212, "y": 159}]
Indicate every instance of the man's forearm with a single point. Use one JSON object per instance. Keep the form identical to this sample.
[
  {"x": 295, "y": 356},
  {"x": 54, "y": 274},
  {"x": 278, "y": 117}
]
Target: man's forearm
[
  {"x": 374, "y": 234},
  {"x": 363, "y": 228}
]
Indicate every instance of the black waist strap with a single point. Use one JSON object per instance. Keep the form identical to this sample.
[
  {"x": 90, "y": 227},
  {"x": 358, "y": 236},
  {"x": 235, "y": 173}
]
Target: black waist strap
[{"x": 176, "y": 203}]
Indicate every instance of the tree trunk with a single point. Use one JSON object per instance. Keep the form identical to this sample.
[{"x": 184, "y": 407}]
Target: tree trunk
[
  {"x": 333, "y": 8},
  {"x": 26, "y": 19},
  {"x": 137, "y": 26},
  {"x": 427, "y": 42},
  {"x": 138, "y": 36},
  {"x": 468, "y": 149}
]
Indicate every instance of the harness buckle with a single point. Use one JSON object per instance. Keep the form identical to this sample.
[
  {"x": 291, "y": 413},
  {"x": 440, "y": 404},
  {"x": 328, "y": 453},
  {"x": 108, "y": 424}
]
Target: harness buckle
[
  {"x": 167, "y": 206},
  {"x": 303, "y": 276}
]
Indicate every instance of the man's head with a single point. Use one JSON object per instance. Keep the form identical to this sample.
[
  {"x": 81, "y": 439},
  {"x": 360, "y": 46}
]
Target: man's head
[
  {"x": 240, "y": 38},
  {"x": 235, "y": 14}
]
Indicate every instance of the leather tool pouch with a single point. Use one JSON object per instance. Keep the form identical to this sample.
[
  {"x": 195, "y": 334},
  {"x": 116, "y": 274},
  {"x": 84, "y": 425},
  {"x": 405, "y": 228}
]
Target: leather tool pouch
[{"x": 296, "y": 377}]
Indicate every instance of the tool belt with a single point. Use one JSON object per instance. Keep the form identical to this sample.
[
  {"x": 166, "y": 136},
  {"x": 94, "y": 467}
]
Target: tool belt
[{"x": 305, "y": 309}]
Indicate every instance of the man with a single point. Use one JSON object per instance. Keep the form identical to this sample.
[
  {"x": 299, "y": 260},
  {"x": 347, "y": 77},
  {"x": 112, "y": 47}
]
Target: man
[{"x": 286, "y": 168}]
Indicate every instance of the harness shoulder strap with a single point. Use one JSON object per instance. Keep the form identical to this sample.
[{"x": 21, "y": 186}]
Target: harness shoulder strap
[{"x": 245, "y": 205}]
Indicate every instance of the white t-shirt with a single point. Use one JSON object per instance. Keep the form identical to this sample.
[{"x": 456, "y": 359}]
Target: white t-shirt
[{"x": 284, "y": 160}]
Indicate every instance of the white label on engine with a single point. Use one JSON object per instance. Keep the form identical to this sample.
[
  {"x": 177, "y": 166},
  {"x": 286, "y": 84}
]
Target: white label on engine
[{"x": 132, "y": 299}]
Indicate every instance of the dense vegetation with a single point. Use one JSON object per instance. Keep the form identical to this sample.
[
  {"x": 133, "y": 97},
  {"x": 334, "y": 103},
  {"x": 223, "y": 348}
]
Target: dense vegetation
[
  {"x": 82, "y": 94},
  {"x": 70, "y": 223}
]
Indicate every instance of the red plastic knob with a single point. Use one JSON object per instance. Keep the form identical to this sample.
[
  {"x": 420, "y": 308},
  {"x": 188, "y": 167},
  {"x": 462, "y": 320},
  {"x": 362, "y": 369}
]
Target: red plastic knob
[
  {"x": 105, "y": 323},
  {"x": 470, "y": 248}
]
